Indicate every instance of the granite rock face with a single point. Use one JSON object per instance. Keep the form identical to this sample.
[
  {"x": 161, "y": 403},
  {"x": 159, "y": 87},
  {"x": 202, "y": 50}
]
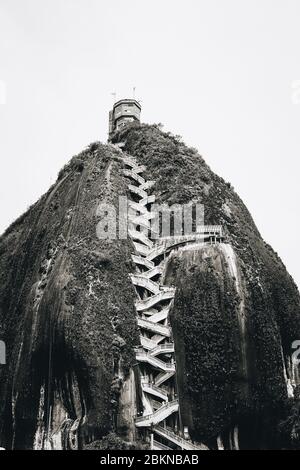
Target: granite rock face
[{"x": 67, "y": 313}]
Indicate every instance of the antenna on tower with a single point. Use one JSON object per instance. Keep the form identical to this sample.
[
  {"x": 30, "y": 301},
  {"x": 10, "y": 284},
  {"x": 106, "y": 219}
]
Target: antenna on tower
[
  {"x": 133, "y": 93},
  {"x": 114, "y": 94}
]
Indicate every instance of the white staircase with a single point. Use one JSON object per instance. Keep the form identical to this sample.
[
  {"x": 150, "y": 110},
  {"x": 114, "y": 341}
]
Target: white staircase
[
  {"x": 179, "y": 441},
  {"x": 162, "y": 330},
  {"x": 145, "y": 304},
  {"x": 165, "y": 348},
  {"x": 156, "y": 356},
  {"x": 143, "y": 356},
  {"x": 152, "y": 389},
  {"x": 163, "y": 377},
  {"x": 159, "y": 415}
]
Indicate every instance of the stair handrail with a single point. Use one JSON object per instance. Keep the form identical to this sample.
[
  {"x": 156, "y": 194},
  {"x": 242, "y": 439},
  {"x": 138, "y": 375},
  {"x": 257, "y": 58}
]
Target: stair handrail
[
  {"x": 155, "y": 387},
  {"x": 175, "y": 436},
  {"x": 163, "y": 365},
  {"x": 166, "y": 405},
  {"x": 161, "y": 347}
]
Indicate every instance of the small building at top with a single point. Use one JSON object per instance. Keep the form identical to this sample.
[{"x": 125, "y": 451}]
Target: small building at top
[{"x": 123, "y": 112}]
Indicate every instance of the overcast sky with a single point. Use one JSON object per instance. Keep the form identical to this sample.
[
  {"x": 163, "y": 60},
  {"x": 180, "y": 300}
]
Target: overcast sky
[{"x": 223, "y": 74}]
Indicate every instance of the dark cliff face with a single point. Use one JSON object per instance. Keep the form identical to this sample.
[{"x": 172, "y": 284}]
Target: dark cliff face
[
  {"x": 236, "y": 310},
  {"x": 67, "y": 310}
]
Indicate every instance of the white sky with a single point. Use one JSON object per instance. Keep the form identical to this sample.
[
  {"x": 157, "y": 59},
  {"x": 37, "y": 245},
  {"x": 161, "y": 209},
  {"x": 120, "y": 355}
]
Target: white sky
[{"x": 219, "y": 73}]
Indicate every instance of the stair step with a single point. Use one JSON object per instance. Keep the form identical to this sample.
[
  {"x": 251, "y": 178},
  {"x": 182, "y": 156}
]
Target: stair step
[
  {"x": 147, "y": 343},
  {"x": 140, "y": 236},
  {"x": 131, "y": 174},
  {"x": 143, "y": 356},
  {"x": 154, "y": 390},
  {"x": 159, "y": 415},
  {"x": 163, "y": 377},
  {"x": 178, "y": 440},
  {"x": 142, "y": 261},
  {"x": 165, "y": 348},
  {"x": 138, "y": 191},
  {"x": 166, "y": 294},
  {"x": 155, "y": 327},
  {"x": 147, "y": 200},
  {"x": 156, "y": 270},
  {"x": 159, "y": 316},
  {"x": 141, "y": 281},
  {"x": 157, "y": 251},
  {"x": 141, "y": 249}
]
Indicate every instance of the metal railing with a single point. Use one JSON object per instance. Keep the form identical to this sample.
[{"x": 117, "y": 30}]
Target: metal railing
[
  {"x": 164, "y": 407},
  {"x": 166, "y": 294},
  {"x": 162, "y": 377},
  {"x": 157, "y": 389},
  {"x": 145, "y": 282},
  {"x": 138, "y": 191},
  {"x": 146, "y": 357},
  {"x": 159, "y": 446},
  {"x": 135, "y": 176},
  {"x": 180, "y": 440},
  {"x": 168, "y": 347}
]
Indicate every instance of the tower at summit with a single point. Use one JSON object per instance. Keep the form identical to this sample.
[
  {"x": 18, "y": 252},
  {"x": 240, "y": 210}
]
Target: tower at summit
[{"x": 123, "y": 112}]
